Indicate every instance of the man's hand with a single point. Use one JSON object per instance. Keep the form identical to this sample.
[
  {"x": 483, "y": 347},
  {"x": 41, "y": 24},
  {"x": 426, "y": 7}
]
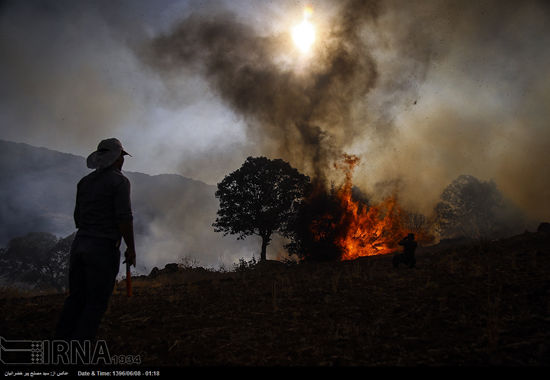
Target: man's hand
[{"x": 130, "y": 256}]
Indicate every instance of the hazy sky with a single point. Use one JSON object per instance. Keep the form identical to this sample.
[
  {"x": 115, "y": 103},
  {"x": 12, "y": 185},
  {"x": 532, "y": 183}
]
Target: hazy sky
[{"x": 435, "y": 88}]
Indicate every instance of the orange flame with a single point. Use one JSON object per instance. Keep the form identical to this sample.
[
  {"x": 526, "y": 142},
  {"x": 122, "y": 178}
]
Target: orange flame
[
  {"x": 373, "y": 230},
  {"x": 366, "y": 230}
]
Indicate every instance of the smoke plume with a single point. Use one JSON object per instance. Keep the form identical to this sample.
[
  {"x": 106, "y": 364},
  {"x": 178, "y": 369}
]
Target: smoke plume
[
  {"x": 303, "y": 116},
  {"x": 423, "y": 92}
]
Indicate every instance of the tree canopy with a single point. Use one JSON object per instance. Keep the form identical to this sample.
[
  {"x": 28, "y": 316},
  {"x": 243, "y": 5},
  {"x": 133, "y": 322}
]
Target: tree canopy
[
  {"x": 476, "y": 209},
  {"x": 259, "y": 199},
  {"x": 37, "y": 260}
]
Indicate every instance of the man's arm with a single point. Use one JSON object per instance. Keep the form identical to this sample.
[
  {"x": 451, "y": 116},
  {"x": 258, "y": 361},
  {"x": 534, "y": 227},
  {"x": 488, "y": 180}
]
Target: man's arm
[
  {"x": 123, "y": 211},
  {"x": 76, "y": 214},
  {"x": 127, "y": 231}
]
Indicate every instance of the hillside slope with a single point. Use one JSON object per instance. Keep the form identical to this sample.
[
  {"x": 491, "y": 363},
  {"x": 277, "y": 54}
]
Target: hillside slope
[{"x": 464, "y": 304}]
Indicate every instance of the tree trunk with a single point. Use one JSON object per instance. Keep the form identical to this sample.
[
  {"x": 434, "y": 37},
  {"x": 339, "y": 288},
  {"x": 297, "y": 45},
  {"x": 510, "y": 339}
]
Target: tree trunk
[{"x": 265, "y": 243}]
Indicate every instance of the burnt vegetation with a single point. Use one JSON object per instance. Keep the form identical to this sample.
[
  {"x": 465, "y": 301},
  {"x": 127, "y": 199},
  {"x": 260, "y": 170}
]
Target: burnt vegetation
[{"x": 316, "y": 225}]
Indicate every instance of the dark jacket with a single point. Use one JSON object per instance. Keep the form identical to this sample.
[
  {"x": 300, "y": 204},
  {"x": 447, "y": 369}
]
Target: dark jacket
[{"x": 102, "y": 202}]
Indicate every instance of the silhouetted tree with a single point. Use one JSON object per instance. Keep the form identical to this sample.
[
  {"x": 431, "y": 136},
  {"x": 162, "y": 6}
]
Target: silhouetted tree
[
  {"x": 473, "y": 208},
  {"x": 37, "y": 260},
  {"x": 56, "y": 269},
  {"x": 30, "y": 249},
  {"x": 259, "y": 199}
]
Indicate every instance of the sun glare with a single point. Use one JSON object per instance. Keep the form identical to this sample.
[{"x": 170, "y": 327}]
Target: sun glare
[{"x": 303, "y": 34}]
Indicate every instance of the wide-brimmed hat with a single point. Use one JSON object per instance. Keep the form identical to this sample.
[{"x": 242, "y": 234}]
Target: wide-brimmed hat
[{"x": 108, "y": 151}]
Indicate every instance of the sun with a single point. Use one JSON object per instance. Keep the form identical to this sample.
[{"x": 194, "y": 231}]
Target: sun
[{"x": 303, "y": 34}]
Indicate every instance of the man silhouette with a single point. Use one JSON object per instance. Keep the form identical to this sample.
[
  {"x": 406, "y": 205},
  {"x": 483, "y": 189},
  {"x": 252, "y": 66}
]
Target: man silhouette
[
  {"x": 102, "y": 215},
  {"x": 407, "y": 257}
]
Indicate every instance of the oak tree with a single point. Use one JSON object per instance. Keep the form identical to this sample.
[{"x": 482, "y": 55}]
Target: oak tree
[{"x": 259, "y": 199}]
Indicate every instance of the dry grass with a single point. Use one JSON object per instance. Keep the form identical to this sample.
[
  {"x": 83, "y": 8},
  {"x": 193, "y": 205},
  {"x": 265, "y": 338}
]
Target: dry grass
[
  {"x": 476, "y": 304},
  {"x": 9, "y": 292}
]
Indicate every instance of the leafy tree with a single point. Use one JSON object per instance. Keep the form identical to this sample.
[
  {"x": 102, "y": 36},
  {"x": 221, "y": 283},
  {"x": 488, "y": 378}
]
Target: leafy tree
[
  {"x": 56, "y": 270},
  {"x": 38, "y": 260},
  {"x": 31, "y": 249},
  {"x": 476, "y": 209},
  {"x": 259, "y": 199}
]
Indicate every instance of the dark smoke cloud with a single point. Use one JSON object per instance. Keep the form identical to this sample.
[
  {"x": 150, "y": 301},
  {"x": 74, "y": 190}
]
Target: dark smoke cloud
[
  {"x": 423, "y": 91},
  {"x": 304, "y": 117}
]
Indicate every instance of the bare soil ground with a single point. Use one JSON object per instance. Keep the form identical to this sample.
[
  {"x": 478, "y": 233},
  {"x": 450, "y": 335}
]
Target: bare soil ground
[{"x": 465, "y": 304}]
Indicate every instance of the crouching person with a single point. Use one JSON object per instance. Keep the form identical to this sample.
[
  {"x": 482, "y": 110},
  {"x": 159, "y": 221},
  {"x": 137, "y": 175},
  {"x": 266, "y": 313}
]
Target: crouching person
[{"x": 407, "y": 257}]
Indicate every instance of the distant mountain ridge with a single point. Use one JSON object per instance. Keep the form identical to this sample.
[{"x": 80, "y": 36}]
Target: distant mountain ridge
[{"x": 173, "y": 215}]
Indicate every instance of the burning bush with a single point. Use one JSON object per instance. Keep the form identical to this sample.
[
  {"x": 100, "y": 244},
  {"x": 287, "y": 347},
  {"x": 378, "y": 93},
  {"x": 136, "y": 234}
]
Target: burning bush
[
  {"x": 336, "y": 225},
  {"x": 315, "y": 229}
]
